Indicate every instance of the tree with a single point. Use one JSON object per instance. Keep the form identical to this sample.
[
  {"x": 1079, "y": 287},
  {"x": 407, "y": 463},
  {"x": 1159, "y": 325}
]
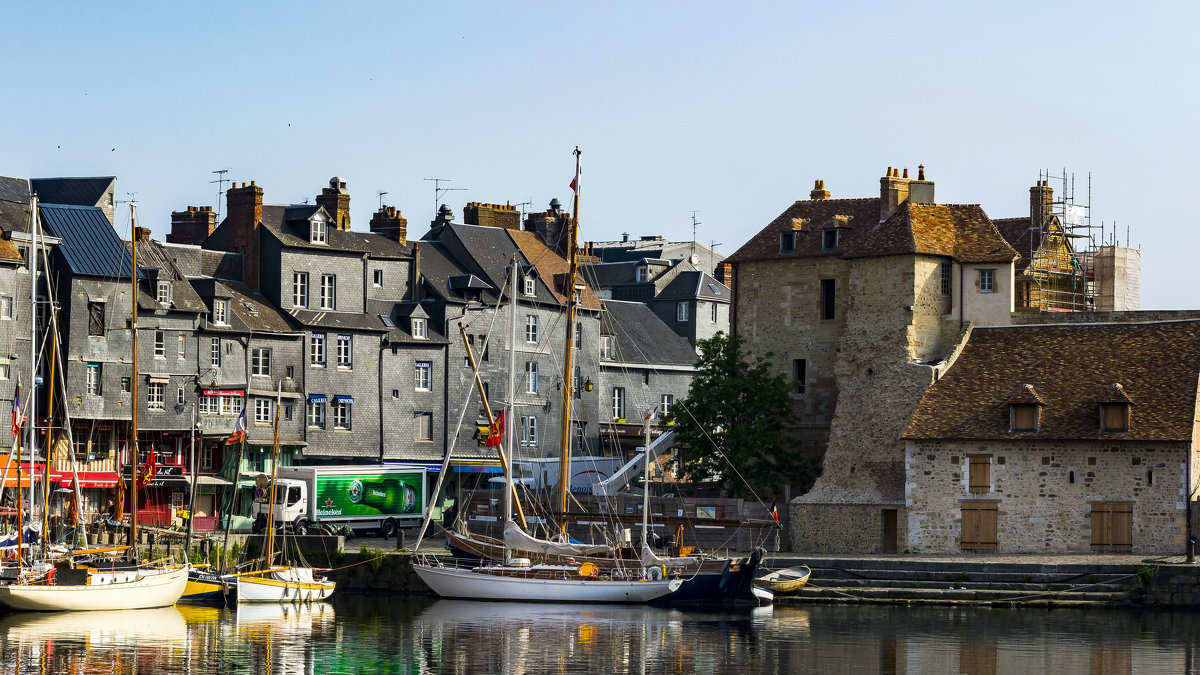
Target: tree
[{"x": 729, "y": 428}]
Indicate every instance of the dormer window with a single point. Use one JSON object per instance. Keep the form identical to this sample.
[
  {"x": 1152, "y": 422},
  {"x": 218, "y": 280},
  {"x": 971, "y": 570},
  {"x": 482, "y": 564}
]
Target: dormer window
[
  {"x": 221, "y": 312},
  {"x": 1114, "y": 417},
  {"x": 418, "y": 329},
  {"x": 164, "y": 293},
  {"x": 1023, "y": 417},
  {"x": 829, "y": 240},
  {"x": 643, "y": 274},
  {"x": 787, "y": 242},
  {"x": 530, "y": 285},
  {"x": 317, "y": 231}
]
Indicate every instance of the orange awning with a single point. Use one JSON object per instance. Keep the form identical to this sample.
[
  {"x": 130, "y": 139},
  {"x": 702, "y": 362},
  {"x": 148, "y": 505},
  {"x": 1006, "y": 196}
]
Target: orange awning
[{"x": 7, "y": 464}]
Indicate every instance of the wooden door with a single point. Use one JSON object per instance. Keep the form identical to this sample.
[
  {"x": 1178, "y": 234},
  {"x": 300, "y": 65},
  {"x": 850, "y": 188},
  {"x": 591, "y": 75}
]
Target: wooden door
[
  {"x": 979, "y": 520},
  {"x": 1112, "y": 527},
  {"x": 889, "y": 530}
]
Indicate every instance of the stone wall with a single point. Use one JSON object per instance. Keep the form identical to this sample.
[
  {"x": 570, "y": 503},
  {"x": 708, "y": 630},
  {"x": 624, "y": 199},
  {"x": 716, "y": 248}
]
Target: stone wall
[
  {"x": 1044, "y": 492},
  {"x": 841, "y": 528}
]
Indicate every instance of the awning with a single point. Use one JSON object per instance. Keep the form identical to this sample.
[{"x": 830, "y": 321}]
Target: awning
[
  {"x": 317, "y": 398},
  {"x": 89, "y": 479},
  {"x": 344, "y": 399},
  {"x": 212, "y": 480},
  {"x": 271, "y": 394},
  {"x": 222, "y": 392},
  {"x": 158, "y": 379},
  {"x": 477, "y": 468},
  {"x": 428, "y": 466}
]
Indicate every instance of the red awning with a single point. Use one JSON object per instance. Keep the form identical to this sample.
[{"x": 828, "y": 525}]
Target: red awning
[{"x": 88, "y": 479}]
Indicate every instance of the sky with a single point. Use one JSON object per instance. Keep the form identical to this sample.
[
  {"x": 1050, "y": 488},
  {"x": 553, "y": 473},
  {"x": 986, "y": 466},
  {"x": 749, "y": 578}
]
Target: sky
[{"x": 726, "y": 110}]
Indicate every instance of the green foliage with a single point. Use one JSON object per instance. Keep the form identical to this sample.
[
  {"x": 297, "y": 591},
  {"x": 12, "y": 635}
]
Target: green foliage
[
  {"x": 374, "y": 558},
  {"x": 729, "y": 428}
]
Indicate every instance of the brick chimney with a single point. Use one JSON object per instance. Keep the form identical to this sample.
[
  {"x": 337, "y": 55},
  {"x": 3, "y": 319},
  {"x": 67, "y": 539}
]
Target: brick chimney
[
  {"x": 244, "y": 208},
  {"x": 724, "y": 273},
  {"x": 336, "y": 200},
  {"x": 893, "y": 191},
  {"x": 1041, "y": 203},
  {"x": 388, "y": 222},
  {"x": 492, "y": 215},
  {"x": 192, "y": 226},
  {"x": 143, "y": 233},
  {"x": 550, "y": 226},
  {"x": 819, "y": 192}
]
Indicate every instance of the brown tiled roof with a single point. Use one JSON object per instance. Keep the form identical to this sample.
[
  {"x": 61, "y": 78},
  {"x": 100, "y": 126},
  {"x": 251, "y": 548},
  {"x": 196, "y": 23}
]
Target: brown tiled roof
[
  {"x": 1116, "y": 394},
  {"x": 551, "y": 266},
  {"x": 1072, "y": 368},
  {"x": 1027, "y": 394},
  {"x": 960, "y": 231},
  {"x": 1017, "y": 233}
]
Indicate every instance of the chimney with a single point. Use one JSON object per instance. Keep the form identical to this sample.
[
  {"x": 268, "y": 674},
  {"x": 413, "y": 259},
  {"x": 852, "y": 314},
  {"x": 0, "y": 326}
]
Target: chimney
[
  {"x": 819, "y": 192},
  {"x": 192, "y": 226},
  {"x": 920, "y": 191},
  {"x": 724, "y": 273},
  {"x": 492, "y": 215},
  {"x": 336, "y": 200},
  {"x": 415, "y": 278},
  {"x": 143, "y": 234},
  {"x": 624, "y": 237},
  {"x": 244, "y": 209},
  {"x": 388, "y": 222},
  {"x": 1041, "y": 203},
  {"x": 893, "y": 191},
  {"x": 445, "y": 216},
  {"x": 551, "y": 227}
]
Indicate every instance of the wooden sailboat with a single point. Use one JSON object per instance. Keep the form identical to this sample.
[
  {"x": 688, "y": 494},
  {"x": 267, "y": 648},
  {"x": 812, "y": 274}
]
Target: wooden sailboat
[{"x": 89, "y": 580}]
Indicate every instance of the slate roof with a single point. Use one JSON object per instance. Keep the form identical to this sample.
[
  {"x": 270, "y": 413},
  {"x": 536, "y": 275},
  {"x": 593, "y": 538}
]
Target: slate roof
[
  {"x": 642, "y": 337},
  {"x": 183, "y": 296},
  {"x": 961, "y": 231},
  {"x": 400, "y": 333},
  {"x": 13, "y": 189},
  {"x": 1073, "y": 369},
  {"x": 89, "y": 245},
  {"x": 289, "y": 224},
  {"x": 319, "y": 318},
  {"x": 643, "y": 249},
  {"x": 694, "y": 284},
  {"x": 249, "y": 309},
  {"x": 73, "y": 191}
]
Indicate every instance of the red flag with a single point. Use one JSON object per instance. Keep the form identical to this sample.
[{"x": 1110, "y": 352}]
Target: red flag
[
  {"x": 774, "y": 511},
  {"x": 496, "y": 431},
  {"x": 147, "y": 473}
]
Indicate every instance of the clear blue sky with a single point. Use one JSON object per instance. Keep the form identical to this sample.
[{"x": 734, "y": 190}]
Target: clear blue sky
[{"x": 729, "y": 109}]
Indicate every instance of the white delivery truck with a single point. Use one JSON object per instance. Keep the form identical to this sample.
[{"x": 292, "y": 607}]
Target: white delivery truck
[
  {"x": 536, "y": 474},
  {"x": 376, "y": 497}
]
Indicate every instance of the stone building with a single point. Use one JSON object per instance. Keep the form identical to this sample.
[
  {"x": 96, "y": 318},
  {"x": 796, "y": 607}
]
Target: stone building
[
  {"x": 1068, "y": 438},
  {"x": 859, "y": 302}
]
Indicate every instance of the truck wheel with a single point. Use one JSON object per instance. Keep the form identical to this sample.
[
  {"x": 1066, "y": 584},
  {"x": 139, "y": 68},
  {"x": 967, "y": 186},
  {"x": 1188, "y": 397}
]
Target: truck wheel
[
  {"x": 389, "y": 528},
  {"x": 301, "y": 527}
]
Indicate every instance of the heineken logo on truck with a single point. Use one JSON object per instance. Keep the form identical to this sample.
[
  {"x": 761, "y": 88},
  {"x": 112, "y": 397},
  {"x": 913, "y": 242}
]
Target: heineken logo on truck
[{"x": 368, "y": 495}]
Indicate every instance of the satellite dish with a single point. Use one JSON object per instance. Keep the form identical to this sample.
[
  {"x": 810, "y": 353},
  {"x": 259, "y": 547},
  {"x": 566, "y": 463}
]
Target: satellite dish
[
  {"x": 695, "y": 259},
  {"x": 262, "y": 481}
]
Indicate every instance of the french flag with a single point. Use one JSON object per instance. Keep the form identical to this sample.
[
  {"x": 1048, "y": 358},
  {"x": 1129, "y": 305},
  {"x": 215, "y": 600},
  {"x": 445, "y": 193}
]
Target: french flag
[
  {"x": 17, "y": 420},
  {"x": 239, "y": 430}
]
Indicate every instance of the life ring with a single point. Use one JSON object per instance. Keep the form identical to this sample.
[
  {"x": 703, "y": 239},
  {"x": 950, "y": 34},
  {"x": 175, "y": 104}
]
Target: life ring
[{"x": 654, "y": 574}]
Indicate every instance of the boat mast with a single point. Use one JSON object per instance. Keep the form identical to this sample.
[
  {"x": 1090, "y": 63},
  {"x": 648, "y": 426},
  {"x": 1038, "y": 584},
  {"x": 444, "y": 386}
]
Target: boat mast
[
  {"x": 646, "y": 489},
  {"x": 564, "y": 453},
  {"x": 270, "y": 530},
  {"x": 33, "y": 316},
  {"x": 133, "y": 385},
  {"x": 509, "y": 428}
]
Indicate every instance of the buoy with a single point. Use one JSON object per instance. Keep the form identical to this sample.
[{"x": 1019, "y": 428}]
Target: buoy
[{"x": 654, "y": 574}]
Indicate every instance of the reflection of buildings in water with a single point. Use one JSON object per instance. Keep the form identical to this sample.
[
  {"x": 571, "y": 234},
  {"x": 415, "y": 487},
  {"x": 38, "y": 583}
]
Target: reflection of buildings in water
[
  {"x": 141, "y": 640},
  {"x": 282, "y": 638}
]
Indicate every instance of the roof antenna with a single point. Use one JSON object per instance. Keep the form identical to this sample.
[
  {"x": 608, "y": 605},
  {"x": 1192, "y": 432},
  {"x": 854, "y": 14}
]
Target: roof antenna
[
  {"x": 694, "y": 224},
  {"x": 220, "y": 181},
  {"x": 381, "y": 194},
  {"x": 438, "y": 191}
]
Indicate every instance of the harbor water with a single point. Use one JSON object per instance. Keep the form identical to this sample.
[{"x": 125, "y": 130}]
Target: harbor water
[{"x": 405, "y": 634}]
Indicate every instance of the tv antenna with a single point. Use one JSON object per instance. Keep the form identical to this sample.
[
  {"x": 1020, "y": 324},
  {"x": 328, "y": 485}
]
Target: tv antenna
[
  {"x": 523, "y": 205},
  {"x": 220, "y": 181},
  {"x": 438, "y": 191},
  {"x": 694, "y": 224},
  {"x": 381, "y": 194}
]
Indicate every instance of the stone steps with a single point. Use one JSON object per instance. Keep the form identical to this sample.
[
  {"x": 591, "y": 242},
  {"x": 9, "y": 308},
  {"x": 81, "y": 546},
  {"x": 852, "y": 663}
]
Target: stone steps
[{"x": 947, "y": 596}]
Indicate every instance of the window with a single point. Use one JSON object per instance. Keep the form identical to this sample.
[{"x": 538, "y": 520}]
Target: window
[
  {"x": 643, "y": 274},
  {"x": 681, "y": 311},
  {"x": 154, "y": 396},
  {"x": 423, "y": 426},
  {"x": 231, "y": 405},
  {"x": 221, "y": 312},
  {"x": 260, "y": 361},
  {"x": 206, "y": 457},
  {"x": 800, "y": 374},
  {"x": 4, "y": 371},
  {"x": 531, "y": 377},
  {"x": 418, "y": 331},
  {"x": 1114, "y": 417},
  {"x": 160, "y": 344},
  {"x": 980, "y": 470},
  {"x": 290, "y": 372},
  {"x": 828, "y": 291},
  {"x": 787, "y": 242},
  {"x": 93, "y": 379},
  {"x": 714, "y": 312},
  {"x": 531, "y": 329},
  {"x": 665, "y": 403},
  {"x": 328, "y": 288},
  {"x": 341, "y": 413},
  {"x": 287, "y": 411},
  {"x": 608, "y": 347},
  {"x": 300, "y": 289},
  {"x": 345, "y": 351},
  {"x": 529, "y": 430},
  {"x": 214, "y": 352},
  {"x": 126, "y": 385},
  {"x": 578, "y": 336},
  {"x": 95, "y": 315},
  {"x": 947, "y": 278},
  {"x": 209, "y": 405},
  {"x": 530, "y": 285},
  {"x": 987, "y": 281},
  {"x": 316, "y": 349},
  {"x": 423, "y": 376},
  {"x": 377, "y": 278},
  {"x": 262, "y": 411},
  {"x": 179, "y": 345},
  {"x": 179, "y": 396},
  {"x": 1024, "y": 417},
  {"x": 317, "y": 231},
  {"x": 618, "y": 403},
  {"x": 829, "y": 240},
  {"x": 164, "y": 293},
  {"x": 316, "y": 414}
]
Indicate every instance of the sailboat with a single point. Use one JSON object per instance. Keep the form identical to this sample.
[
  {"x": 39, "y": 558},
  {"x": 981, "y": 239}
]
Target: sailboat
[
  {"x": 279, "y": 584},
  {"x": 89, "y": 580}
]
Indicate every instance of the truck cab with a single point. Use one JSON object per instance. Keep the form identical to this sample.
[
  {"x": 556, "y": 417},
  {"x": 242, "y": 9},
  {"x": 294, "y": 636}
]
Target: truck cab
[{"x": 291, "y": 505}]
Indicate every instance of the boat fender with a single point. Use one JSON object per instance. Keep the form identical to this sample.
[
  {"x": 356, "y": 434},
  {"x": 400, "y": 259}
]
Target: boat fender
[
  {"x": 654, "y": 574},
  {"x": 50, "y": 574}
]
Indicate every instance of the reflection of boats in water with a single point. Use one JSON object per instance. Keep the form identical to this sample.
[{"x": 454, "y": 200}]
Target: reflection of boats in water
[
  {"x": 149, "y": 627},
  {"x": 283, "y": 616}
]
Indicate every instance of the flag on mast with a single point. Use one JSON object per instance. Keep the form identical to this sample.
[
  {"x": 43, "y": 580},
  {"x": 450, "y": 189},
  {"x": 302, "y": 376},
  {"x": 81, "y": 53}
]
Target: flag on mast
[
  {"x": 239, "y": 430},
  {"x": 496, "y": 431},
  {"x": 17, "y": 419},
  {"x": 147, "y": 474},
  {"x": 578, "y": 173},
  {"x": 653, "y": 414}
]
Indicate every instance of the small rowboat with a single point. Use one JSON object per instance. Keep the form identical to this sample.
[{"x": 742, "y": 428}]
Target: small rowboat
[{"x": 785, "y": 581}]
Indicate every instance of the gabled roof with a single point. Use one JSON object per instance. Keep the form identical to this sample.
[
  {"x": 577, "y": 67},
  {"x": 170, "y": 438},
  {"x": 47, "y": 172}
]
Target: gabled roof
[
  {"x": 1072, "y": 367},
  {"x": 1027, "y": 395},
  {"x": 183, "y": 296},
  {"x": 250, "y": 311},
  {"x": 89, "y": 245},
  {"x": 550, "y": 266},
  {"x": 692, "y": 285},
  {"x": 642, "y": 337},
  {"x": 86, "y": 191},
  {"x": 289, "y": 224},
  {"x": 961, "y": 231}
]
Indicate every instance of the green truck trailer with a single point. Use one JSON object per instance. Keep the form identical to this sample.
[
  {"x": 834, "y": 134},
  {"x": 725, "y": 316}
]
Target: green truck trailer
[{"x": 375, "y": 497}]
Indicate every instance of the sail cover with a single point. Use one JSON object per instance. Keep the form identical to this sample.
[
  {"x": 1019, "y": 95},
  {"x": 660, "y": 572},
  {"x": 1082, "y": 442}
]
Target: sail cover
[
  {"x": 650, "y": 559},
  {"x": 516, "y": 539}
]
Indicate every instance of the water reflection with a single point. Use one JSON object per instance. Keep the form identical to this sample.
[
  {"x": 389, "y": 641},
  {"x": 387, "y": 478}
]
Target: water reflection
[{"x": 390, "y": 634}]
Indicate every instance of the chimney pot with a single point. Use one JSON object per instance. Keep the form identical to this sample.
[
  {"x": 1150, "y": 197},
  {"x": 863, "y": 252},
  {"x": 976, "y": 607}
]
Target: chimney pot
[
  {"x": 906, "y": 172},
  {"x": 920, "y": 172}
]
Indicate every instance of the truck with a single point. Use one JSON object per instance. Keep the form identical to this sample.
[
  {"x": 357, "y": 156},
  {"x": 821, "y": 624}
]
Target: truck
[
  {"x": 537, "y": 474},
  {"x": 375, "y": 497}
]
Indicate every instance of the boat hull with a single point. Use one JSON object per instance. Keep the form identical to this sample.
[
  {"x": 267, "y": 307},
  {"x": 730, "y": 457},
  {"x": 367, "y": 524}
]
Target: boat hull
[
  {"x": 450, "y": 582},
  {"x": 264, "y": 589},
  {"x": 206, "y": 587},
  {"x": 151, "y": 590}
]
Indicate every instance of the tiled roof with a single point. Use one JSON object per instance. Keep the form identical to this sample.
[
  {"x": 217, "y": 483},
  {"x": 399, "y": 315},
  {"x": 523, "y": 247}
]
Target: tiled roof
[
  {"x": 1073, "y": 368},
  {"x": 183, "y": 296},
  {"x": 553, "y": 268},
  {"x": 1019, "y": 235},
  {"x": 250, "y": 310},
  {"x": 14, "y": 190},
  {"x": 1027, "y": 394},
  {"x": 961, "y": 231}
]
